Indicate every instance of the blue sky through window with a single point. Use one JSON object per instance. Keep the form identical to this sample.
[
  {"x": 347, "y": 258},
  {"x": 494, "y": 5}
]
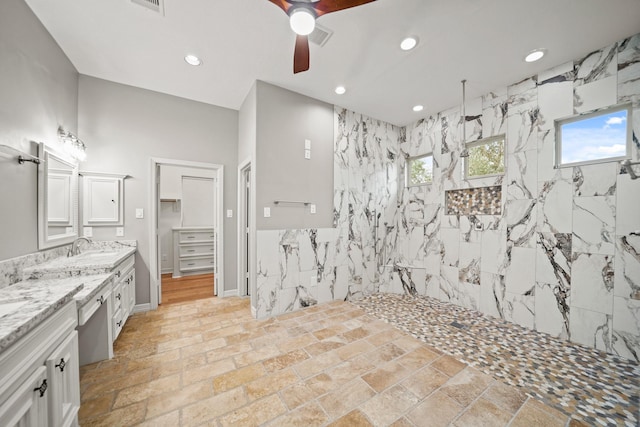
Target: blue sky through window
[{"x": 594, "y": 138}]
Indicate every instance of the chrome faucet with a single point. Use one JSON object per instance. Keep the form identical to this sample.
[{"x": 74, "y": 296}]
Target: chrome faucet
[{"x": 75, "y": 246}]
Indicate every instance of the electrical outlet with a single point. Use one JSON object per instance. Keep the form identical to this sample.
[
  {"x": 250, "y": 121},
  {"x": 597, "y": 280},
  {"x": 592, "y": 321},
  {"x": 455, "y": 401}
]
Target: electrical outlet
[
  {"x": 87, "y": 231},
  {"x": 312, "y": 208},
  {"x": 139, "y": 213},
  {"x": 119, "y": 231},
  {"x": 307, "y": 154},
  {"x": 229, "y": 213},
  {"x": 307, "y": 144},
  {"x": 267, "y": 212}
]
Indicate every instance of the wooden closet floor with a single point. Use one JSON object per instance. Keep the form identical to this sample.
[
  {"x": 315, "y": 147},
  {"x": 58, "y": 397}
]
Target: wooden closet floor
[{"x": 187, "y": 288}]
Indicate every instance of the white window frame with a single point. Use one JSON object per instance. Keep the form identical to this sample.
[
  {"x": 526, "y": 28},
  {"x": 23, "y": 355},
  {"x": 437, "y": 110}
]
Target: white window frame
[
  {"x": 407, "y": 177},
  {"x": 585, "y": 116},
  {"x": 485, "y": 141}
]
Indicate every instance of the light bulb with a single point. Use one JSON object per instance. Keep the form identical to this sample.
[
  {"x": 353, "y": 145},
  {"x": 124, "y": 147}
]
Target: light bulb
[{"x": 302, "y": 21}]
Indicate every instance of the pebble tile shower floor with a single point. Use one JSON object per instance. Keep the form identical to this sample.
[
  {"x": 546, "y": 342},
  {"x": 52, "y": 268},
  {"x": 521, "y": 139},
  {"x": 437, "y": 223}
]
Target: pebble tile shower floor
[
  {"x": 209, "y": 363},
  {"x": 591, "y": 386}
]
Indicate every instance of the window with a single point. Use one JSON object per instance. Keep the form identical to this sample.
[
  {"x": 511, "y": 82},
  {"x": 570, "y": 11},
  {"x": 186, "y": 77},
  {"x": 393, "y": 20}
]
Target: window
[
  {"x": 603, "y": 135},
  {"x": 420, "y": 170},
  {"x": 486, "y": 157}
]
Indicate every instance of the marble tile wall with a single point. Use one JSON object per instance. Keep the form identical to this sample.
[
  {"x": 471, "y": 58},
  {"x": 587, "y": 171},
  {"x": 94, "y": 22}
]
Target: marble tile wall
[{"x": 563, "y": 257}]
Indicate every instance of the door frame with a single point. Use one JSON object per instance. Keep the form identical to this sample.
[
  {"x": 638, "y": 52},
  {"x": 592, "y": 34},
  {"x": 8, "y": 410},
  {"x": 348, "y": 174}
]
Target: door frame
[
  {"x": 155, "y": 275},
  {"x": 242, "y": 244}
]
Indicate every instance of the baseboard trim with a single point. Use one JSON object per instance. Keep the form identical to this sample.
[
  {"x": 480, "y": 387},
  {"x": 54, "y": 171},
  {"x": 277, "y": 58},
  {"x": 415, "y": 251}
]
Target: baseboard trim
[
  {"x": 230, "y": 293},
  {"x": 139, "y": 308}
]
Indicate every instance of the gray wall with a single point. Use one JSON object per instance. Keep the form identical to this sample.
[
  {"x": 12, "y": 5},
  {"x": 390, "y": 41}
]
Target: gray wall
[
  {"x": 124, "y": 127},
  {"x": 284, "y": 120},
  {"x": 38, "y": 92}
]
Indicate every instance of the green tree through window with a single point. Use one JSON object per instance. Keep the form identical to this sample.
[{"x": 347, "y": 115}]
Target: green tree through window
[
  {"x": 486, "y": 157},
  {"x": 420, "y": 170}
]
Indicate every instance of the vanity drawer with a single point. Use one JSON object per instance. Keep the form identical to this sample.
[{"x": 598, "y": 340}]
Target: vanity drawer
[
  {"x": 196, "y": 236},
  {"x": 118, "y": 296},
  {"x": 87, "y": 310},
  {"x": 196, "y": 250},
  {"x": 122, "y": 269},
  {"x": 196, "y": 264},
  {"x": 118, "y": 321}
]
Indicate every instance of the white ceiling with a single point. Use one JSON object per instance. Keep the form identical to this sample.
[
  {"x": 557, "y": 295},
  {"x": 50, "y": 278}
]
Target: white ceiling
[{"x": 241, "y": 41}]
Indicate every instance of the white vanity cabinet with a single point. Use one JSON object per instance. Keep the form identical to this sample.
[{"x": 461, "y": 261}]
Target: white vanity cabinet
[
  {"x": 102, "y": 317},
  {"x": 193, "y": 251},
  {"x": 39, "y": 374},
  {"x": 123, "y": 294}
]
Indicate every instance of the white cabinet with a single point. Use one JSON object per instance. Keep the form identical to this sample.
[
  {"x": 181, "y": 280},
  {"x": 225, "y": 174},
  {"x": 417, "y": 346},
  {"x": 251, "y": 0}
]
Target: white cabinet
[
  {"x": 102, "y": 318},
  {"x": 34, "y": 390},
  {"x": 26, "y": 407},
  {"x": 194, "y": 251},
  {"x": 63, "y": 372},
  {"x": 102, "y": 199}
]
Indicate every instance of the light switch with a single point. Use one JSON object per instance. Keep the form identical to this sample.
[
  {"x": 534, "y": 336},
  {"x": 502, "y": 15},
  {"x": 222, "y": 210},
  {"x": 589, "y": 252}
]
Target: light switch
[
  {"x": 312, "y": 208},
  {"x": 87, "y": 231},
  {"x": 307, "y": 144},
  {"x": 139, "y": 213},
  {"x": 229, "y": 213},
  {"x": 267, "y": 212},
  {"x": 119, "y": 231},
  {"x": 307, "y": 154}
]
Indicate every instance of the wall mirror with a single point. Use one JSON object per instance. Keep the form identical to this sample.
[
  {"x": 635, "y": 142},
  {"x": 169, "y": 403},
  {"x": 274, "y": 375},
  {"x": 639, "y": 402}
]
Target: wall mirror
[
  {"x": 102, "y": 199},
  {"x": 57, "y": 198}
]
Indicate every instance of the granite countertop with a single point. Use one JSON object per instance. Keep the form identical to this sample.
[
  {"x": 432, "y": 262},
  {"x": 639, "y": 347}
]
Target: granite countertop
[
  {"x": 92, "y": 262},
  {"x": 92, "y": 286},
  {"x": 25, "y": 305}
]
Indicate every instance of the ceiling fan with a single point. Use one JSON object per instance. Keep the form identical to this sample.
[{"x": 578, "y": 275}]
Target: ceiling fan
[{"x": 302, "y": 18}]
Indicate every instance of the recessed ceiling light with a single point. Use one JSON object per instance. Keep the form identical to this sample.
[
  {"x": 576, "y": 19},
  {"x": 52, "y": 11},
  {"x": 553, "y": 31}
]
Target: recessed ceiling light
[
  {"x": 409, "y": 43},
  {"x": 192, "y": 60},
  {"x": 340, "y": 90},
  {"x": 535, "y": 55},
  {"x": 418, "y": 108}
]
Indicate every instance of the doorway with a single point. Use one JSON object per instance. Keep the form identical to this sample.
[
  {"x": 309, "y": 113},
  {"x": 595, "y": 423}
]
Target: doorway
[
  {"x": 246, "y": 227},
  {"x": 186, "y": 230}
]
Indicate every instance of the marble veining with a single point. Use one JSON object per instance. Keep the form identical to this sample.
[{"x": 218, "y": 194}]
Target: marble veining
[
  {"x": 561, "y": 253},
  {"x": 42, "y": 297}
]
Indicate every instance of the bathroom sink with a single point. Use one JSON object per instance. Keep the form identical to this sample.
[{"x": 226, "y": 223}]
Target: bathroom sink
[
  {"x": 9, "y": 306},
  {"x": 97, "y": 254}
]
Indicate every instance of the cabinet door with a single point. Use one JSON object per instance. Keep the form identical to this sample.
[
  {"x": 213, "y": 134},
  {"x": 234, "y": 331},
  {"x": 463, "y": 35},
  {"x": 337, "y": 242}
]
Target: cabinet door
[
  {"x": 63, "y": 372},
  {"x": 27, "y": 406}
]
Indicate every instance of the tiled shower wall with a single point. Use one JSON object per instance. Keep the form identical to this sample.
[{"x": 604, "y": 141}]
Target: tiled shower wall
[{"x": 562, "y": 258}]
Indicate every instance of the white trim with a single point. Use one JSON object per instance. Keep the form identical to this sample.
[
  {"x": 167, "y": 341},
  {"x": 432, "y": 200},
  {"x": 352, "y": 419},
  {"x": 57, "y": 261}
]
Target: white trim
[
  {"x": 154, "y": 270},
  {"x": 230, "y": 293},
  {"x": 141, "y": 308},
  {"x": 254, "y": 312},
  {"x": 246, "y": 163}
]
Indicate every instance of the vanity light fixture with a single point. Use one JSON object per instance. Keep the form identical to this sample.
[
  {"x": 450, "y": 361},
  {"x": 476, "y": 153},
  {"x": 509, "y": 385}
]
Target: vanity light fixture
[
  {"x": 409, "y": 43},
  {"x": 340, "y": 90},
  {"x": 72, "y": 145},
  {"x": 193, "y": 60},
  {"x": 418, "y": 108},
  {"x": 535, "y": 55}
]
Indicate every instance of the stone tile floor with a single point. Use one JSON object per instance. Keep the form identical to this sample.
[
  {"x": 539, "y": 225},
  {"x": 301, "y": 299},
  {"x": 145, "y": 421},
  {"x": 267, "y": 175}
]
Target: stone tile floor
[
  {"x": 208, "y": 362},
  {"x": 591, "y": 386}
]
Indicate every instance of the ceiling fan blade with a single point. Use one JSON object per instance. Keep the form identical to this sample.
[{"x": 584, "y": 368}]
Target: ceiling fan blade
[
  {"x": 323, "y": 7},
  {"x": 301, "y": 55},
  {"x": 282, "y": 4}
]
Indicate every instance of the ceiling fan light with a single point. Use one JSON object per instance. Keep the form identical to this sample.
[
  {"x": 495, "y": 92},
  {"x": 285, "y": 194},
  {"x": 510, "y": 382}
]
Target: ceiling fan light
[{"x": 302, "y": 21}]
